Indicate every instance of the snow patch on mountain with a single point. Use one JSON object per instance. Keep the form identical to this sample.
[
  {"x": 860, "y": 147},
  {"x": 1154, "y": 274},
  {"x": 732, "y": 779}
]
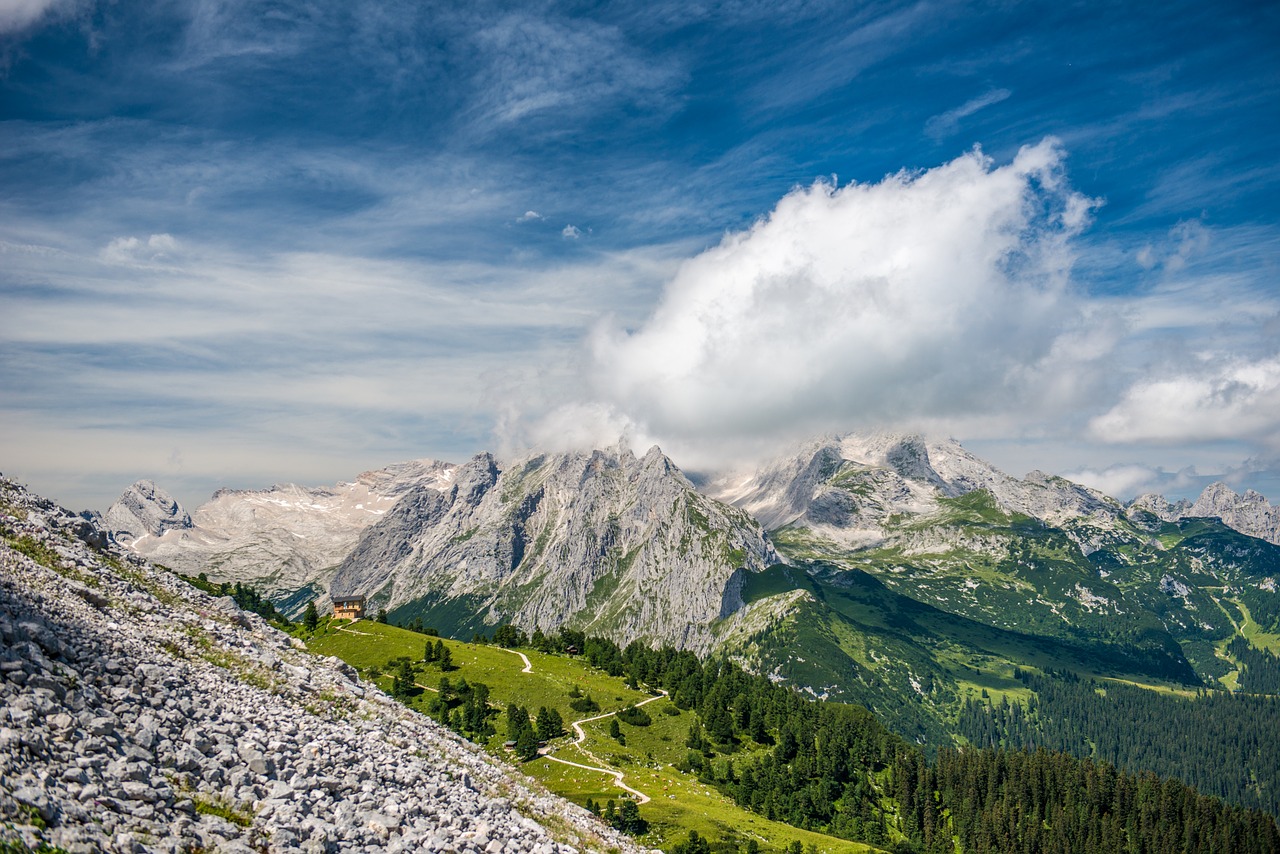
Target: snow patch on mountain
[{"x": 285, "y": 541}]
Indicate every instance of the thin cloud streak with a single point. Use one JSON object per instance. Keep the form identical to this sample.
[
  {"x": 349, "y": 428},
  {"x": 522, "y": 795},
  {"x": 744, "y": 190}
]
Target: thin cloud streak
[{"x": 947, "y": 123}]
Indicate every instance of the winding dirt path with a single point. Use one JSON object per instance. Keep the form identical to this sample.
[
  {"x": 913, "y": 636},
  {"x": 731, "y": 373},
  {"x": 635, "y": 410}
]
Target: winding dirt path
[
  {"x": 641, "y": 797},
  {"x": 528, "y": 665}
]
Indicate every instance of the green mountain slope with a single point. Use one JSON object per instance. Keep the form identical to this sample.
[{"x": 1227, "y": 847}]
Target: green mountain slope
[
  {"x": 921, "y": 579},
  {"x": 763, "y": 765}
]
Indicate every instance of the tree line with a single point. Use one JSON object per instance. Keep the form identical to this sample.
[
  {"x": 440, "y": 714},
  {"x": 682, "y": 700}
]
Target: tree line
[
  {"x": 835, "y": 769},
  {"x": 1222, "y": 744}
]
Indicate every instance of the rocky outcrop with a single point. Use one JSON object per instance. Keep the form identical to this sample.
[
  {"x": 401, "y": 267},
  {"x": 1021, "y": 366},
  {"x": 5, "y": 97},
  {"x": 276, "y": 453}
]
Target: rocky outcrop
[
  {"x": 137, "y": 714},
  {"x": 846, "y": 488},
  {"x": 1249, "y": 513},
  {"x": 615, "y": 544},
  {"x": 144, "y": 510},
  {"x": 1149, "y": 510},
  {"x": 286, "y": 541}
]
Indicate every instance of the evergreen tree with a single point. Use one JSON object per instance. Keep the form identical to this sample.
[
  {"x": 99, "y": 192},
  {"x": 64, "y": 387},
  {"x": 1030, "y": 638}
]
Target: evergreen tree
[
  {"x": 550, "y": 724},
  {"x": 402, "y": 681},
  {"x": 311, "y": 617},
  {"x": 627, "y": 819},
  {"x": 517, "y": 721},
  {"x": 693, "y": 844},
  {"x": 527, "y": 744}
]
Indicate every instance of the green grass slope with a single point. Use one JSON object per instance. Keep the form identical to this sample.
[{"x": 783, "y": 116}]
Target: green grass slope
[
  {"x": 648, "y": 760},
  {"x": 850, "y": 637}
]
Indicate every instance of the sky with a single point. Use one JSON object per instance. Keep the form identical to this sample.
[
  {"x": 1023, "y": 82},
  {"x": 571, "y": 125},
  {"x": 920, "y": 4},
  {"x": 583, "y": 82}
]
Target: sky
[{"x": 244, "y": 243}]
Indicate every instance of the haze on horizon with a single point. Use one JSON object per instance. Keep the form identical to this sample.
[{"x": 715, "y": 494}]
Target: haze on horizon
[{"x": 247, "y": 243}]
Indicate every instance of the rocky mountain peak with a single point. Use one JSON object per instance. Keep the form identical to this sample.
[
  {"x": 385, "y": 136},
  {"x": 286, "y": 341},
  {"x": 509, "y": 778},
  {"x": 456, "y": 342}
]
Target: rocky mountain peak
[
  {"x": 655, "y": 459},
  {"x": 475, "y": 477},
  {"x": 625, "y": 546},
  {"x": 1249, "y": 513},
  {"x": 910, "y": 458},
  {"x": 846, "y": 489},
  {"x": 144, "y": 509},
  {"x": 1216, "y": 494},
  {"x": 286, "y": 541},
  {"x": 1150, "y": 507}
]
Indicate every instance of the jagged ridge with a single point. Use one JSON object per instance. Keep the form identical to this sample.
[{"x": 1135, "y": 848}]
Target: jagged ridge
[{"x": 619, "y": 545}]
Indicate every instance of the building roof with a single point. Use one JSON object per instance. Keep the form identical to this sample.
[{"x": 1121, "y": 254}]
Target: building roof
[{"x": 348, "y": 600}]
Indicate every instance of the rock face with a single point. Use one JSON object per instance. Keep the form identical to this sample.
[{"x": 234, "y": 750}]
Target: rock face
[
  {"x": 846, "y": 488},
  {"x": 1249, "y": 513},
  {"x": 144, "y": 510},
  {"x": 604, "y": 541},
  {"x": 286, "y": 541},
  {"x": 1150, "y": 508},
  {"x": 137, "y": 714}
]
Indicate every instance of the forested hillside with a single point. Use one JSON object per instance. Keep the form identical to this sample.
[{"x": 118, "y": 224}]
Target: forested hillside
[
  {"x": 834, "y": 768},
  {"x": 1223, "y": 744}
]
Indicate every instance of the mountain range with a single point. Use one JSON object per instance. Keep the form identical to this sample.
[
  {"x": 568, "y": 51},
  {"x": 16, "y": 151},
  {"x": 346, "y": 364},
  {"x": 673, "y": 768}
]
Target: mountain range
[{"x": 901, "y": 573}]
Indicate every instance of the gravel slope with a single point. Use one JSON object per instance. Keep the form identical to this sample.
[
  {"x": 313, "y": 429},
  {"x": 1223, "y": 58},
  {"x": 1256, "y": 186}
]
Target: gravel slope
[{"x": 138, "y": 714}]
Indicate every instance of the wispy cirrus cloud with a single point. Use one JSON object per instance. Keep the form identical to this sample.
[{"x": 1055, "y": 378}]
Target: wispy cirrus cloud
[
  {"x": 533, "y": 64},
  {"x": 945, "y": 124},
  {"x": 17, "y": 16}
]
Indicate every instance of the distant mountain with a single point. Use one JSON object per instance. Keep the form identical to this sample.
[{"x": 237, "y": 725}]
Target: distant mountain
[
  {"x": 920, "y": 571},
  {"x": 1249, "y": 513},
  {"x": 285, "y": 541},
  {"x": 847, "y": 488},
  {"x": 144, "y": 510},
  {"x": 603, "y": 541},
  {"x": 896, "y": 571}
]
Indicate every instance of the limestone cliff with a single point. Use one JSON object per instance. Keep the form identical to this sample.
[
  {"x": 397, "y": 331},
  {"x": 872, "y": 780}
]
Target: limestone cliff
[
  {"x": 285, "y": 541},
  {"x": 605, "y": 541},
  {"x": 144, "y": 510}
]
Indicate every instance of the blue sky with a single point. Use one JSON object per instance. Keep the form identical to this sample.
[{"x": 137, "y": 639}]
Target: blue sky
[{"x": 243, "y": 243}]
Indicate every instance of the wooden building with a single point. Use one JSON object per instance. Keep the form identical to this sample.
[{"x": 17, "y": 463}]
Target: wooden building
[{"x": 348, "y": 607}]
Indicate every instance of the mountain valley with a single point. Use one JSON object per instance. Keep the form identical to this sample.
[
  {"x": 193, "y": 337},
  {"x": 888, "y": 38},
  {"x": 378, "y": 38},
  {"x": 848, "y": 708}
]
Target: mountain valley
[
  {"x": 959, "y": 605},
  {"x": 898, "y": 573}
]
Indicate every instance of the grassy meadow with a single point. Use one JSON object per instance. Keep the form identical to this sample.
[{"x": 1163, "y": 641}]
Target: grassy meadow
[{"x": 648, "y": 759}]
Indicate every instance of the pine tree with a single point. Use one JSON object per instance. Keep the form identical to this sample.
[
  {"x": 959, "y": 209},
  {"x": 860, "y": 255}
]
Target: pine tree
[
  {"x": 527, "y": 744},
  {"x": 311, "y": 618},
  {"x": 550, "y": 724},
  {"x": 627, "y": 819}
]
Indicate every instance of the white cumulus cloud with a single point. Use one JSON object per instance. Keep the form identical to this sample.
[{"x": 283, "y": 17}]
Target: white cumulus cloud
[
  {"x": 1223, "y": 399},
  {"x": 922, "y": 296},
  {"x": 571, "y": 232}
]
